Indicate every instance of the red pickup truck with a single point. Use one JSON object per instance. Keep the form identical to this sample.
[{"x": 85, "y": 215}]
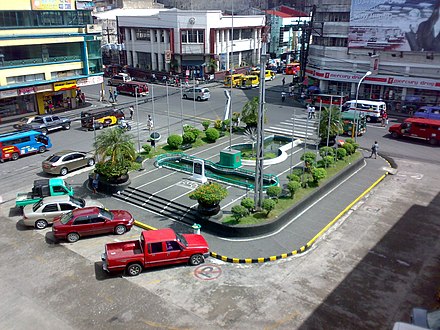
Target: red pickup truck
[{"x": 154, "y": 248}]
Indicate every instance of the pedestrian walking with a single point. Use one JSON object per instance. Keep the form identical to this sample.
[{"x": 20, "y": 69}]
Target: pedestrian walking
[
  {"x": 312, "y": 112},
  {"x": 102, "y": 95},
  {"x": 284, "y": 81},
  {"x": 309, "y": 111},
  {"x": 111, "y": 99},
  {"x": 374, "y": 149},
  {"x": 283, "y": 96},
  {"x": 384, "y": 121},
  {"x": 115, "y": 95},
  {"x": 131, "y": 109},
  {"x": 50, "y": 107},
  {"x": 150, "y": 123},
  {"x": 95, "y": 183},
  {"x": 83, "y": 98}
]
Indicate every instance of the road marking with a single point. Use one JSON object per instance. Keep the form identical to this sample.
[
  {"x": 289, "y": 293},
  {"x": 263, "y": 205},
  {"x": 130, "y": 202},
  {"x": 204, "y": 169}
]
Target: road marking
[{"x": 207, "y": 272}]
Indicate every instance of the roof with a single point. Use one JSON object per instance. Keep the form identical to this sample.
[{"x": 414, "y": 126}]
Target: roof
[
  {"x": 112, "y": 14},
  {"x": 292, "y": 12},
  {"x": 165, "y": 234},
  {"x": 56, "y": 182},
  {"x": 53, "y": 199},
  {"x": 278, "y": 13},
  {"x": 423, "y": 121}
]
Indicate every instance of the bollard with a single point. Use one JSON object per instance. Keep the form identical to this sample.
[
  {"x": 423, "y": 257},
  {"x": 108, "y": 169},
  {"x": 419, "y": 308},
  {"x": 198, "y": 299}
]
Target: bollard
[{"x": 196, "y": 227}]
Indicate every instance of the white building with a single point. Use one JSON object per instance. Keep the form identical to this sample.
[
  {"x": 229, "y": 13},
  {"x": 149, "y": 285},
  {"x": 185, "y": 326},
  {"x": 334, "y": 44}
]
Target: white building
[{"x": 198, "y": 41}]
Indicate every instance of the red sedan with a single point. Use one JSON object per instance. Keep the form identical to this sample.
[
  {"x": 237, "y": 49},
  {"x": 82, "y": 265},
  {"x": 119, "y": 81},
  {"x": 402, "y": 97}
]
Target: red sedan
[{"x": 91, "y": 221}]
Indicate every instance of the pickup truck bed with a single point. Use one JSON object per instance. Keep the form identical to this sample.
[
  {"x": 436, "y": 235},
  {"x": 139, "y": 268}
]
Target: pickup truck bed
[
  {"x": 24, "y": 199},
  {"x": 122, "y": 251}
]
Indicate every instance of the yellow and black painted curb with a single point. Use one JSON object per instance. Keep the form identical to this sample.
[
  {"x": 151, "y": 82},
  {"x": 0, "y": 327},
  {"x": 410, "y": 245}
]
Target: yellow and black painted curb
[{"x": 294, "y": 252}]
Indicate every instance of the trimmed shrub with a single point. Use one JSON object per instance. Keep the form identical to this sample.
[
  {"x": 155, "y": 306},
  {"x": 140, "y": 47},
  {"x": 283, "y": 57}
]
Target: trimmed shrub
[
  {"x": 212, "y": 134},
  {"x": 327, "y": 161},
  {"x": 306, "y": 180},
  {"x": 352, "y": 142},
  {"x": 206, "y": 124},
  {"x": 349, "y": 148},
  {"x": 326, "y": 151},
  {"x": 293, "y": 177},
  {"x": 174, "y": 141},
  {"x": 341, "y": 153},
  {"x": 226, "y": 124},
  {"x": 309, "y": 158},
  {"x": 147, "y": 148},
  {"x": 268, "y": 205},
  {"x": 239, "y": 212},
  {"x": 273, "y": 192},
  {"x": 248, "y": 203},
  {"x": 293, "y": 187},
  {"x": 318, "y": 174},
  {"x": 188, "y": 137},
  {"x": 297, "y": 171},
  {"x": 193, "y": 130},
  {"x": 218, "y": 124}
]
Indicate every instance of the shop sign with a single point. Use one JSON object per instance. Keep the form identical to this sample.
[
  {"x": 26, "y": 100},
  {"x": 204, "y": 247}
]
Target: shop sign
[
  {"x": 43, "y": 88},
  {"x": 27, "y": 90},
  {"x": 92, "y": 80},
  {"x": 8, "y": 93},
  {"x": 85, "y": 5},
  {"x": 167, "y": 56},
  {"x": 52, "y": 5},
  {"x": 64, "y": 85}
]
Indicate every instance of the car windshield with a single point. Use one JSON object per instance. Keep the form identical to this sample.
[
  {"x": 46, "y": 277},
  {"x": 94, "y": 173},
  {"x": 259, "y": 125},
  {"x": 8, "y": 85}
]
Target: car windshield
[
  {"x": 66, "y": 217},
  {"x": 37, "y": 206},
  {"x": 68, "y": 187},
  {"x": 106, "y": 214},
  {"x": 53, "y": 158},
  {"x": 78, "y": 201},
  {"x": 181, "y": 239}
]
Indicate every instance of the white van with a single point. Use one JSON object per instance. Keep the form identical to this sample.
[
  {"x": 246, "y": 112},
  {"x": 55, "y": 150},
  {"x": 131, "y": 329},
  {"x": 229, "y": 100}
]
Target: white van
[{"x": 371, "y": 109}]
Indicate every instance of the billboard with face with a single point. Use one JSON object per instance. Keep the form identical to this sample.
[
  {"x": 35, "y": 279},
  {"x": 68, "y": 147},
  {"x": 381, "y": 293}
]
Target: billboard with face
[{"x": 395, "y": 25}]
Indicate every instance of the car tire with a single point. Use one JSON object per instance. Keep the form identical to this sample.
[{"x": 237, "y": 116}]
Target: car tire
[
  {"x": 91, "y": 162},
  {"x": 199, "y": 98},
  {"x": 196, "y": 259},
  {"x": 120, "y": 230},
  {"x": 42, "y": 149},
  {"x": 185, "y": 96},
  {"x": 14, "y": 156},
  {"x": 40, "y": 224},
  {"x": 432, "y": 141},
  {"x": 134, "y": 269},
  {"x": 72, "y": 237},
  {"x": 368, "y": 118},
  {"x": 66, "y": 126},
  {"x": 64, "y": 171},
  {"x": 394, "y": 135}
]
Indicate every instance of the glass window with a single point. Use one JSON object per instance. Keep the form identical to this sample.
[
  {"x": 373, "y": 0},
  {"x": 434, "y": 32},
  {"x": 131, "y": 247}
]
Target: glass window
[
  {"x": 184, "y": 37},
  {"x": 172, "y": 245},
  {"x": 50, "y": 208},
  {"x": 155, "y": 247},
  {"x": 59, "y": 189},
  {"x": 236, "y": 34},
  {"x": 143, "y": 34},
  {"x": 155, "y": 35},
  {"x": 81, "y": 221},
  {"x": 66, "y": 218},
  {"x": 96, "y": 219},
  {"x": 162, "y": 35},
  {"x": 67, "y": 207},
  {"x": 247, "y": 34}
]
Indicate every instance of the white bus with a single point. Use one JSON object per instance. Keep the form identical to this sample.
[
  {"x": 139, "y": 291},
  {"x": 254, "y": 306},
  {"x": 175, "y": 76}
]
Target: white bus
[{"x": 371, "y": 109}]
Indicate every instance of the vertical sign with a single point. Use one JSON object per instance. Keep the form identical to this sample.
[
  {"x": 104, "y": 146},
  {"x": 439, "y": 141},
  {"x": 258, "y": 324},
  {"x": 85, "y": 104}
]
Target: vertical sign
[
  {"x": 374, "y": 64},
  {"x": 168, "y": 56}
]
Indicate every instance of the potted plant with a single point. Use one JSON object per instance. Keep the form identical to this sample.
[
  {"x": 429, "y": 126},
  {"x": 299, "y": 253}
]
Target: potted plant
[
  {"x": 115, "y": 153},
  {"x": 209, "y": 196}
]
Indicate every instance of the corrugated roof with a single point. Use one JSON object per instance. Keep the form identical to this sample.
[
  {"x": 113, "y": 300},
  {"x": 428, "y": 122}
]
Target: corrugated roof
[
  {"x": 292, "y": 12},
  {"x": 278, "y": 13}
]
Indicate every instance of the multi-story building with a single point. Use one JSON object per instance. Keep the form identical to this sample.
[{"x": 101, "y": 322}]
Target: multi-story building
[
  {"x": 178, "y": 40},
  {"x": 47, "y": 50}
]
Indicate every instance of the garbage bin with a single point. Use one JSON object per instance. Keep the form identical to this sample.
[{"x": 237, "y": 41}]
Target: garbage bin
[{"x": 196, "y": 227}]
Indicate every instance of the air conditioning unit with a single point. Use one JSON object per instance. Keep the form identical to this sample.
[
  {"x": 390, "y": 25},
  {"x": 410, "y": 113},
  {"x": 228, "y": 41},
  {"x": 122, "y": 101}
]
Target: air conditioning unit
[{"x": 93, "y": 28}]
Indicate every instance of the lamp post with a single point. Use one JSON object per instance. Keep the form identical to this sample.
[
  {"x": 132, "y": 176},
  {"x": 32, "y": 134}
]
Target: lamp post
[
  {"x": 137, "y": 118},
  {"x": 355, "y": 128}
]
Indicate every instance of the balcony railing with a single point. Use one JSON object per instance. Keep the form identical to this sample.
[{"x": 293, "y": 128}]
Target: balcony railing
[{"x": 31, "y": 61}]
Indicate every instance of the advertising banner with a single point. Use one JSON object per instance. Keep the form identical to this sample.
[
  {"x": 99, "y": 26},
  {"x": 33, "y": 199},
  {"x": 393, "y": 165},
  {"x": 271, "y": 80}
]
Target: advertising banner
[
  {"x": 396, "y": 25},
  {"x": 52, "y": 5},
  {"x": 64, "y": 85}
]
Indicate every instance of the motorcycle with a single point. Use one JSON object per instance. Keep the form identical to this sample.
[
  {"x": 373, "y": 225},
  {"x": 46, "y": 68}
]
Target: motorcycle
[{"x": 124, "y": 125}]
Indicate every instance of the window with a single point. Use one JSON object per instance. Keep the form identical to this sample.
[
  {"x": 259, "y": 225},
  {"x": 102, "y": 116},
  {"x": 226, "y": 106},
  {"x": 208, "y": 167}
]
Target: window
[
  {"x": 155, "y": 247},
  {"x": 246, "y": 34},
  {"x": 172, "y": 245},
  {"x": 81, "y": 221},
  {"x": 67, "y": 207},
  {"x": 155, "y": 35},
  {"x": 59, "y": 189},
  {"x": 96, "y": 219},
  {"x": 50, "y": 208},
  {"x": 236, "y": 34},
  {"x": 193, "y": 36},
  {"x": 143, "y": 34},
  {"x": 162, "y": 35}
]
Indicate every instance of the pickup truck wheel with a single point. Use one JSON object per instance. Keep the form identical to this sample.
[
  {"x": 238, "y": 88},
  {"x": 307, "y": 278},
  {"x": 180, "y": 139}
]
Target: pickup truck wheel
[
  {"x": 14, "y": 156},
  {"x": 72, "y": 237},
  {"x": 120, "y": 230},
  {"x": 184, "y": 96},
  {"x": 91, "y": 162},
  {"x": 134, "y": 269},
  {"x": 44, "y": 130},
  {"x": 64, "y": 171},
  {"x": 432, "y": 141},
  {"x": 42, "y": 149},
  {"x": 40, "y": 224},
  {"x": 66, "y": 126},
  {"x": 196, "y": 259},
  {"x": 199, "y": 98},
  {"x": 394, "y": 135}
]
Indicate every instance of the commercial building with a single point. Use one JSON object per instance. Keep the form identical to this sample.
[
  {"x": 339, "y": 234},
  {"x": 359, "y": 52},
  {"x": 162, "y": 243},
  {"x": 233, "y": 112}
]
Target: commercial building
[
  {"x": 47, "y": 50},
  {"x": 193, "y": 42}
]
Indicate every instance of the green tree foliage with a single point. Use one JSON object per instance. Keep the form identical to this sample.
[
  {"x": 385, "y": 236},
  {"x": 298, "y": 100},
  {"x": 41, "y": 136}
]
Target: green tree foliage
[
  {"x": 293, "y": 177},
  {"x": 209, "y": 193},
  {"x": 327, "y": 161},
  {"x": 309, "y": 158},
  {"x": 226, "y": 124},
  {"x": 273, "y": 192},
  {"x": 349, "y": 148},
  {"x": 335, "y": 122},
  {"x": 341, "y": 153},
  {"x": 218, "y": 124},
  {"x": 268, "y": 205},
  {"x": 206, "y": 124},
  {"x": 174, "y": 141},
  {"x": 239, "y": 212},
  {"x": 115, "y": 152},
  {"x": 249, "y": 113},
  {"x": 193, "y": 130},
  {"x": 147, "y": 148},
  {"x": 326, "y": 151},
  {"x": 212, "y": 134},
  {"x": 293, "y": 187},
  {"x": 318, "y": 174},
  {"x": 306, "y": 180},
  {"x": 188, "y": 137},
  {"x": 353, "y": 143},
  {"x": 248, "y": 203}
]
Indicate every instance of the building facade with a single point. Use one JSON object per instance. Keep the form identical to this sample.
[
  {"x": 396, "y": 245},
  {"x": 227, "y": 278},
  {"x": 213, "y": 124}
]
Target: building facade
[
  {"x": 194, "y": 42},
  {"x": 47, "y": 50}
]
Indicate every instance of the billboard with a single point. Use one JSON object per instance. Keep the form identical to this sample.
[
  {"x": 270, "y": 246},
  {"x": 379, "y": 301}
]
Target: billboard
[
  {"x": 395, "y": 25},
  {"x": 52, "y": 5}
]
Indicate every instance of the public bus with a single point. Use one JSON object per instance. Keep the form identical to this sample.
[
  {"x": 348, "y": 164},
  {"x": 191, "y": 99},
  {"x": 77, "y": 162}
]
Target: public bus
[
  {"x": 16, "y": 144},
  {"x": 371, "y": 109},
  {"x": 269, "y": 75},
  {"x": 100, "y": 118},
  {"x": 250, "y": 81},
  {"x": 236, "y": 80},
  {"x": 292, "y": 68}
]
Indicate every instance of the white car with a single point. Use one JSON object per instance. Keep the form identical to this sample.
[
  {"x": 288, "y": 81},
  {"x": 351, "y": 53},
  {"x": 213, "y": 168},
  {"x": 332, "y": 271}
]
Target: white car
[
  {"x": 198, "y": 93},
  {"x": 41, "y": 214}
]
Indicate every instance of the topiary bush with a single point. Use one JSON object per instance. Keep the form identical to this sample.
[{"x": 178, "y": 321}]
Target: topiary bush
[
  {"x": 326, "y": 151},
  {"x": 212, "y": 134},
  {"x": 206, "y": 124},
  {"x": 218, "y": 124},
  {"x": 248, "y": 203},
  {"x": 188, "y": 137},
  {"x": 174, "y": 141},
  {"x": 349, "y": 148},
  {"x": 147, "y": 148},
  {"x": 309, "y": 158},
  {"x": 293, "y": 187},
  {"x": 268, "y": 205},
  {"x": 226, "y": 124},
  {"x": 341, "y": 153},
  {"x": 191, "y": 129},
  {"x": 318, "y": 174},
  {"x": 326, "y": 161},
  {"x": 293, "y": 177},
  {"x": 306, "y": 180},
  {"x": 239, "y": 212},
  {"x": 273, "y": 192}
]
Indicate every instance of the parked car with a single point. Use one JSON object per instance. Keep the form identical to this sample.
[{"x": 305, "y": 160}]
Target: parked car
[
  {"x": 43, "y": 188},
  {"x": 43, "y": 123},
  {"x": 118, "y": 79},
  {"x": 41, "y": 214},
  {"x": 198, "y": 93},
  {"x": 131, "y": 87},
  {"x": 425, "y": 319},
  {"x": 155, "y": 248},
  {"x": 66, "y": 161},
  {"x": 91, "y": 221},
  {"x": 428, "y": 112}
]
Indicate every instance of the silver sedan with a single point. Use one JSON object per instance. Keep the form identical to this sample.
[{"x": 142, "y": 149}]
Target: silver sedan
[{"x": 66, "y": 161}]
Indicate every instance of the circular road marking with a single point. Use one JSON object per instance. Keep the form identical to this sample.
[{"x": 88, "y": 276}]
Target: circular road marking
[{"x": 207, "y": 272}]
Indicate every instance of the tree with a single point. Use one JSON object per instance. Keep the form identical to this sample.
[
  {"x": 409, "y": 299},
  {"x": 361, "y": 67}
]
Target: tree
[
  {"x": 268, "y": 205},
  {"x": 209, "y": 193},
  {"x": 174, "y": 141},
  {"x": 293, "y": 187},
  {"x": 248, "y": 203},
  {"x": 212, "y": 134},
  {"x": 249, "y": 113},
  {"x": 318, "y": 174},
  {"x": 114, "y": 153},
  {"x": 309, "y": 158},
  {"x": 212, "y": 65},
  {"x": 239, "y": 212},
  {"x": 335, "y": 123},
  {"x": 273, "y": 192}
]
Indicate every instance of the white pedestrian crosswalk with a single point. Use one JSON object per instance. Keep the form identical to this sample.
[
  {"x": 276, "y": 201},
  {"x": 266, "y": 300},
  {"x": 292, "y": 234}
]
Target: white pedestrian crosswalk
[{"x": 300, "y": 127}]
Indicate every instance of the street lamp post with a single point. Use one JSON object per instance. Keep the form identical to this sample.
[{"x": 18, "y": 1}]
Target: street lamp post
[
  {"x": 137, "y": 118},
  {"x": 355, "y": 128}
]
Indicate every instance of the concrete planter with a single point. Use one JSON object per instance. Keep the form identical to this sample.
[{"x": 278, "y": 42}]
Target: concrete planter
[{"x": 111, "y": 187}]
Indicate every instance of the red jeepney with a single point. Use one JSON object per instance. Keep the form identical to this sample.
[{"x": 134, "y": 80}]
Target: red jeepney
[{"x": 426, "y": 129}]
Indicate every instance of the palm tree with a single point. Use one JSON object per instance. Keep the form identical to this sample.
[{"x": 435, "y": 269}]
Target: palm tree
[
  {"x": 249, "y": 113},
  {"x": 114, "y": 153},
  {"x": 335, "y": 125}
]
